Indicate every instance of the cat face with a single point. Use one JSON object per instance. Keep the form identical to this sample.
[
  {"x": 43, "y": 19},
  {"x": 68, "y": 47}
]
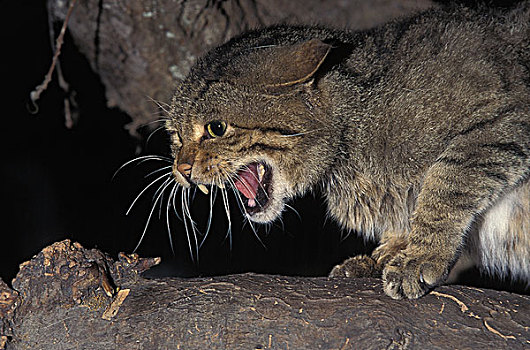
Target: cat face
[{"x": 262, "y": 140}]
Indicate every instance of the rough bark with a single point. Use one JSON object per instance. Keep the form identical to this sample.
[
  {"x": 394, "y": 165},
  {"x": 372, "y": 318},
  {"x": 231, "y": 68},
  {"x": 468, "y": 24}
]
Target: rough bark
[
  {"x": 140, "y": 49},
  {"x": 68, "y": 297}
]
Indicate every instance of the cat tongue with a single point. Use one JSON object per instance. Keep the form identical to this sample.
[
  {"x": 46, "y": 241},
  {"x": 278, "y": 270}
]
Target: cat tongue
[{"x": 247, "y": 181}]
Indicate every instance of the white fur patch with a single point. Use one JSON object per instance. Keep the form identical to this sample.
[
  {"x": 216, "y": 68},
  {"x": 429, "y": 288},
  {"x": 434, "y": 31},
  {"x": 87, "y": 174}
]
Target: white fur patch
[{"x": 503, "y": 240}]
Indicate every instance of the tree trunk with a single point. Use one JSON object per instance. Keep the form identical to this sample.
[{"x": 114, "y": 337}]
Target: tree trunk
[
  {"x": 68, "y": 297},
  {"x": 141, "y": 49}
]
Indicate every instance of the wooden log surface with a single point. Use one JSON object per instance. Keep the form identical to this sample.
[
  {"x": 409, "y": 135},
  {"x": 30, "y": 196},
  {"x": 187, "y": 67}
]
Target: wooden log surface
[
  {"x": 141, "y": 49},
  {"x": 69, "y": 297}
]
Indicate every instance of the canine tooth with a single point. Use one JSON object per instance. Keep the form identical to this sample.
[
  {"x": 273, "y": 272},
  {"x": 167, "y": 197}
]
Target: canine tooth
[
  {"x": 221, "y": 185},
  {"x": 261, "y": 172},
  {"x": 203, "y": 188}
]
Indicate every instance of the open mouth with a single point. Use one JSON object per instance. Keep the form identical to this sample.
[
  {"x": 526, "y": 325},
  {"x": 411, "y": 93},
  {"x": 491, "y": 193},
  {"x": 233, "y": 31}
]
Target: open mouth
[{"x": 254, "y": 182}]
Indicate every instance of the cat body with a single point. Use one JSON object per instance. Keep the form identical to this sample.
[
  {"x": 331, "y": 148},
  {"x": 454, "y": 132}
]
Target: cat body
[{"x": 417, "y": 133}]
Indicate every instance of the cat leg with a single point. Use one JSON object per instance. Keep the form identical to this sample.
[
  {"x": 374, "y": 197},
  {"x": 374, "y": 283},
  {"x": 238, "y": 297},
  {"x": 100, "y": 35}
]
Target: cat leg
[{"x": 483, "y": 164}]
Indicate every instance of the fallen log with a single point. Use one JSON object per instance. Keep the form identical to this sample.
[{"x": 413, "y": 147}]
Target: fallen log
[{"x": 69, "y": 297}]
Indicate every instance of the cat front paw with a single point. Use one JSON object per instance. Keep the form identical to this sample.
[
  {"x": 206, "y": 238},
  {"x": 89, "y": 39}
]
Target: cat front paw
[
  {"x": 358, "y": 266},
  {"x": 411, "y": 275}
]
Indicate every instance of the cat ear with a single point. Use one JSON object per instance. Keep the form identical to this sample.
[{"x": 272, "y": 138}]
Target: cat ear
[{"x": 295, "y": 64}]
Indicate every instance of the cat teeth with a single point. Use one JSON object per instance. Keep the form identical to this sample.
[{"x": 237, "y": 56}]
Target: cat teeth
[
  {"x": 261, "y": 172},
  {"x": 221, "y": 185},
  {"x": 203, "y": 188}
]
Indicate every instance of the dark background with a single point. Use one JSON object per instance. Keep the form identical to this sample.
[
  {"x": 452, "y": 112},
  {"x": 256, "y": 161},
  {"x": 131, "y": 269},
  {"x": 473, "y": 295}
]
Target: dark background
[{"x": 58, "y": 183}]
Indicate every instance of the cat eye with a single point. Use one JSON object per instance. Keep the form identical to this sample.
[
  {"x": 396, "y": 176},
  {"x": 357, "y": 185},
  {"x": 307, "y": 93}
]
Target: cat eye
[{"x": 216, "y": 128}]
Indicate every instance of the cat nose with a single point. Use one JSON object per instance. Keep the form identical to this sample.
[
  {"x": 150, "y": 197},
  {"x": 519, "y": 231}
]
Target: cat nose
[{"x": 184, "y": 169}]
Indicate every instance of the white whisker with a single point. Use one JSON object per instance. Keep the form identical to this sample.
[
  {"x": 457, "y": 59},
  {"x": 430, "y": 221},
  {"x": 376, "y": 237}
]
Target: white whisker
[
  {"x": 244, "y": 184},
  {"x": 210, "y": 215},
  {"x": 168, "y": 205},
  {"x": 162, "y": 119},
  {"x": 161, "y": 189},
  {"x": 158, "y": 170},
  {"x": 141, "y": 160},
  {"x": 244, "y": 210},
  {"x": 145, "y": 189},
  {"x": 161, "y": 105},
  {"x": 259, "y": 182},
  {"x": 175, "y": 206},
  {"x": 227, "y": 210},
  {"x": 149, "y": 218},
  {"x": 268, "y": 227},
  {"x": 182, "y": 196},
  {"x": 187, "y": 214},
  {"x": 169, "y": 160},
  {"x": 162, "y": 186},
  {"x": 153, "y": 132},
  {"x": 294, "y": 210}
]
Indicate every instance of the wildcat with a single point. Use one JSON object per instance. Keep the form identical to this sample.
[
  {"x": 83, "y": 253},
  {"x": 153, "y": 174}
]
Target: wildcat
[{"x": 417, "y": 134}]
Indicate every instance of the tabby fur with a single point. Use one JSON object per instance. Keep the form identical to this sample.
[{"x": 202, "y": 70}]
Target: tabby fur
[{"x": 417, "y": 134}]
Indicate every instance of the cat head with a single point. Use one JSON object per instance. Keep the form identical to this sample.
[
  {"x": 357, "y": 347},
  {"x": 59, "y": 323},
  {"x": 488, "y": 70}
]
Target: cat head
[{"x": 255, "y": 119}]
